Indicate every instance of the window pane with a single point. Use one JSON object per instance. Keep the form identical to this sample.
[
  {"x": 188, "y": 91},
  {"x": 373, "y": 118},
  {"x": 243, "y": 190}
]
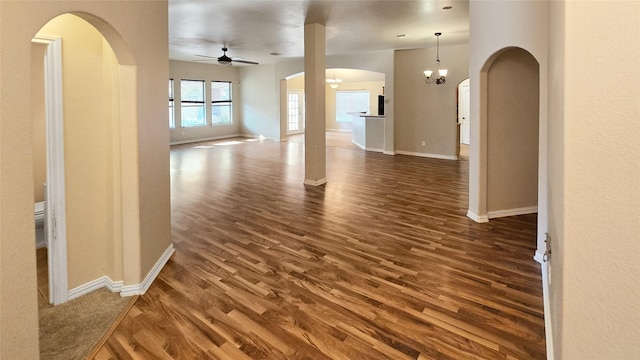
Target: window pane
[
  {"x": 192, "y": 90},
  {"x": 192, "y": 104},
  {"x": 351, "y": 101},
  {"x": 221, "y": 113},
  {"x": 221, "y": 102},
  {"x": 220, "y": 90},
  {"x": 294, "y": 111},
  {"x": 192, "y": 115}
]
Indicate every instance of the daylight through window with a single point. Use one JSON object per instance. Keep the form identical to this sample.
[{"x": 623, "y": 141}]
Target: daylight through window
[
  {"x": 192, "y": 103},
  {"x": 221, "y": 102},
  {"x": 349, "y": 102}
]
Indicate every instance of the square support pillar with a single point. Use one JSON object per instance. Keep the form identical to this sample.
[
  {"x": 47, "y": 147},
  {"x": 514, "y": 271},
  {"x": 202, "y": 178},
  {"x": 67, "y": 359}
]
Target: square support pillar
[{"x": 315, "y": 165}]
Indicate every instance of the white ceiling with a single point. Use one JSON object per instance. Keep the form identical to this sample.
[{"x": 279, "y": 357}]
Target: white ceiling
[{"x": 253, "y": 29}]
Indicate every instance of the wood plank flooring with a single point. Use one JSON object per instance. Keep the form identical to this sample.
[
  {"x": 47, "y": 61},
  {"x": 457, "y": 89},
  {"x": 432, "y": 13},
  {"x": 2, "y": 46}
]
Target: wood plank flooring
[{"x": 380, "y": 263}]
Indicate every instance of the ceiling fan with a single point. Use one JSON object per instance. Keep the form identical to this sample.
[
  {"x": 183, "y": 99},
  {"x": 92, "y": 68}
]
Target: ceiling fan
[{"x": 224, "y": 60}]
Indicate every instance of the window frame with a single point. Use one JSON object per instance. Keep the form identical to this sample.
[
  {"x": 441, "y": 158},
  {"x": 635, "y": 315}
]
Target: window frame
[
  {"x": 190, "y": 104},
  {"x": 172, "y": 107},
  {"x": 227, "y": 102}
]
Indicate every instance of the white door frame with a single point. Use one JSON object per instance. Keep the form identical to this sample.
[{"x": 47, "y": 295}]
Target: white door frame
[
  {"x": 464, "y": 122},
  {"x": 55, "y": 208}
]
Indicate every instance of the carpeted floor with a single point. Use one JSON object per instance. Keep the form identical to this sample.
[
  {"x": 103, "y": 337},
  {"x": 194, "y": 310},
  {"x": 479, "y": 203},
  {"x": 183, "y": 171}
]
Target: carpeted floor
[{"x": 71, "y": 330}]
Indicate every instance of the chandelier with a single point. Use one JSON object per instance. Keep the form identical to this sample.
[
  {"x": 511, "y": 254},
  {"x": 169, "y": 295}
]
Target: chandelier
[
  {"x": 442, "y": 73},
  {"x": 334, "y": 83}
]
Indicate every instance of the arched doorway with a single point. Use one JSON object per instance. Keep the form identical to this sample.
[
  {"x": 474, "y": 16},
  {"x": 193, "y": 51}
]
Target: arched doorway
[
  {"x": 512, "y": 108},
  {"x": 345, "y": 80},
  {"x": 87, "y": 97}
]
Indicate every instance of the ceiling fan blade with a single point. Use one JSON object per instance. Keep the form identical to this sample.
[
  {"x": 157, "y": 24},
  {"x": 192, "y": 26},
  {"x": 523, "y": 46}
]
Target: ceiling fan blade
[
  {"x": 205, "y": 56},
  {"x": 245, "y": 62}
]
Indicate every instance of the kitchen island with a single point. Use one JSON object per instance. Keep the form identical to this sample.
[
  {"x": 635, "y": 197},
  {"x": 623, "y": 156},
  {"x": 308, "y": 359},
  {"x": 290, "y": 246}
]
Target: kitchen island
[{"x": 368, "y": 131}]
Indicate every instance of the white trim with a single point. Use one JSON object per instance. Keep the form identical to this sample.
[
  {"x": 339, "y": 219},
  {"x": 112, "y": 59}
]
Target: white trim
[
  {"x": 205, "y": 139},
  {"x": 512, "y": 212},
  {"x": 427, "y": 155},
  {"x": 354, "y": 142},
  {"x": 315, "y": 182},
  {"x": 380, "y": 150},
  {"x": 139, "y": 289},
  {"x": 539, "y": 256},
  {"x": 374, "y": 149},
  {"x": 548, "y": 325},
  {"x": 56, "y": 226},
  {"x": 104, "y": 281},
  {"x": 477, "y": 218},
  {"x": 340, "y": 130},
  {"x": 389, "y": 152}
]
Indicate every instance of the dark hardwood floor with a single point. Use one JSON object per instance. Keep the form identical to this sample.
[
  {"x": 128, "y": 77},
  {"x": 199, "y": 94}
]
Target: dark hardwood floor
[{"x": 380, "y": 263}]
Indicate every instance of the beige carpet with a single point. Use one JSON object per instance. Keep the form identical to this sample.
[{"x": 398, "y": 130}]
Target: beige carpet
[{"x": 71, "y": 330}]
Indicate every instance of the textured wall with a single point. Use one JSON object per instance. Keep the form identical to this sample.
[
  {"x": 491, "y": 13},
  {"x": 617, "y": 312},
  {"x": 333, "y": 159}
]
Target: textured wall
[
  {"x": 512, "y": 132},
  {"x": 144, "y": 52}
]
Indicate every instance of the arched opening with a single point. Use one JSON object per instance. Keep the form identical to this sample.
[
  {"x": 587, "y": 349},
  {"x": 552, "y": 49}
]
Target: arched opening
[
  {"x": 85, "y": 169},
  {"x": 508, "y": 148},
  {"x": 368, "y": 86}
]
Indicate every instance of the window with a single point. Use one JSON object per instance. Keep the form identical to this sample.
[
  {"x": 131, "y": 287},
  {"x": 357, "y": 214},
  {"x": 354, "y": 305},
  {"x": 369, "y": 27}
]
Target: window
[
  {"x": 192, "y": 103},
  {"x": 349, "y": 102},
  {"x": 172, "y": 118},
  {"x": 221, "y": 102}
]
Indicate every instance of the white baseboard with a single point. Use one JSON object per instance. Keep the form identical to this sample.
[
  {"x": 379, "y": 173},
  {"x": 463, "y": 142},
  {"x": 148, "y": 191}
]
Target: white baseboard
[
  {"x": 512, "y": 212},
  {"x": 477, "y": 218},
  {"x": 427, "y": 155},
  {"x": 139, "y": 289},
  {"x": 546, "y": 300},
  {"x": 539, "y": 256},
  {"x": 392, "y": 152},
  {"x": 205, "y": 139},
  {"x": 340, "y": 130},
  {"x": 315, "y": 182},
  {"x": 358, "y": 144},
  {"x": 104, "y": 281}
]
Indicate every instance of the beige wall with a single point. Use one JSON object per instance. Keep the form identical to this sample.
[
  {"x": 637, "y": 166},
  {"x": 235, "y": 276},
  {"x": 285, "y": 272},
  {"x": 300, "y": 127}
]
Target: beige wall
[
  {"x": 595, "y": 180},
  {"x": 512, "y": 132},
  {"x": 208, "y": 72},
  {"x": 428, "y": 112},
  {"x": 142, "y": 52},
  {"x": 590, "y": 162},
  {"x": 39, "y": 121}
]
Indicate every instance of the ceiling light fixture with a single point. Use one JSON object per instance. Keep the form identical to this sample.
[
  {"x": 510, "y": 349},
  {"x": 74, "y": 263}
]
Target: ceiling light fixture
[
  {"x": 334, "y": 83},
  {"x": 442, "y": 73}
]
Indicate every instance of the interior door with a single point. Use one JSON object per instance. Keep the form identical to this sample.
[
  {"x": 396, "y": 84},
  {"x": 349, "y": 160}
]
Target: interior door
[
  {"x": 464, "y": 112},
  {"x": 295, "y": 114}
]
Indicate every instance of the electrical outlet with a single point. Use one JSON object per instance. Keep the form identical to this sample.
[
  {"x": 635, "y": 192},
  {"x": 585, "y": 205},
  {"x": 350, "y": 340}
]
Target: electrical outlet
[{"x": 423, "y": 143}]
